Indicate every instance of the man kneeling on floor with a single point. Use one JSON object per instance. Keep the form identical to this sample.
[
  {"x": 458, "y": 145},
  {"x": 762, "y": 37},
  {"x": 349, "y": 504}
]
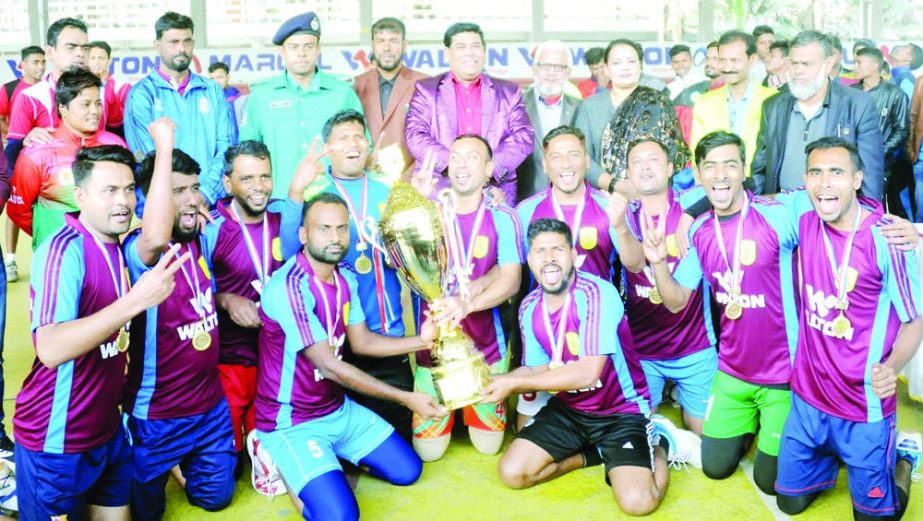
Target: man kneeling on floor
[
  {"x": 308, "y": 309},
  {"x": 570, "y": 346}
]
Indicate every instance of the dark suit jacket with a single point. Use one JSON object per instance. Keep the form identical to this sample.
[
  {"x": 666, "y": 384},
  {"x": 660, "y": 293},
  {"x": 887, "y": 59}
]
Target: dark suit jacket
[
  {"x": 851, "y": 115},
  {"x": 388, "y": 128},
  {"x": 530, "y": 176}
]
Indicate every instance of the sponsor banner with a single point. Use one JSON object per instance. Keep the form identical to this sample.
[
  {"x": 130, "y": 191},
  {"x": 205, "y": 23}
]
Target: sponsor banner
[{"x": 511, "y": 61}]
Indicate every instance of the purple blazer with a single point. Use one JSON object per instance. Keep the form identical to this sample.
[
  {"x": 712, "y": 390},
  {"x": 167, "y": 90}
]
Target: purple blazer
[{"x": 432, "y": 123}]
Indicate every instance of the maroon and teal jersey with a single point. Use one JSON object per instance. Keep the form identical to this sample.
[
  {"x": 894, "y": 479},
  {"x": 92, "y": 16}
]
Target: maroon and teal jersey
[
  {"x": 296, "y": 309},
  {"x": 498, "y": 242},
  {"x": 167, "y": 376},
  {"x": 656, "y": 333},
  {"x": 834, "y": 373},
  {"x": 593, "y": 316},
  {"x": 75, "y": 406},
  {"x": 758, "y": 347},
  {"x": 235, "y": 272},
  {"x": 595, "y": 240}
]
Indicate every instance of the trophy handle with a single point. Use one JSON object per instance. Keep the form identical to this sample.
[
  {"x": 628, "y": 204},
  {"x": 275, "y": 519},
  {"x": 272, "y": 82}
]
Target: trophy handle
[
  {"x": 454, "y": 241},
  {"x": 368, "y": 230}
]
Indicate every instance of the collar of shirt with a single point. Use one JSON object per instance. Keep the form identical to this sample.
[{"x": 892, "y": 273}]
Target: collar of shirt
[
  {"x": 551, "y": 101},
  {"x": 316, "y": 84},
  {"x": 181, "y": 88},
  {"x": 475, "y": 85},
  {"x": 747, "y": 93},
  {"x": 382, "y": 81},
  {"x": 66, "y": 135}
]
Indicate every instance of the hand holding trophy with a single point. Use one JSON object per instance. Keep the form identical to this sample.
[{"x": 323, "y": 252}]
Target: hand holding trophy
[{"x": 413, "y": 232}]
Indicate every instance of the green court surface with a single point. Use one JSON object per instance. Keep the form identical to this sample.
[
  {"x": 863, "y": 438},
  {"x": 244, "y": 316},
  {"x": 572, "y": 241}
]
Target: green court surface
[{"x": 464, "y": 485}]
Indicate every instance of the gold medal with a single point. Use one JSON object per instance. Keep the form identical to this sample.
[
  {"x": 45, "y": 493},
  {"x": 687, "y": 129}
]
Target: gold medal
[
  {"x": 841, "y": 325},
  {"x": 655, "y": 296},
  {"x": 363, "y": 264},
  {"x": 734, "y": 310},
  {"x": 555, "y": 364},
  {"x": 122, "y": 341},
  {"x": 672, "y": 245},
  {"x": 202, "y": 340}
]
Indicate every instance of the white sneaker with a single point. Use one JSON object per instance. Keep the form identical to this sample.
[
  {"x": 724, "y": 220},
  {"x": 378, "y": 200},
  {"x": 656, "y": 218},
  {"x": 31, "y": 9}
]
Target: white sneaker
[
  {"x": 685, "y": 446},
  {"x": 909, "y": 447},
  {"x": 12, "y": 271},
  {"x": 8, "y": 501},
  {"x": 264, "y": 474}
]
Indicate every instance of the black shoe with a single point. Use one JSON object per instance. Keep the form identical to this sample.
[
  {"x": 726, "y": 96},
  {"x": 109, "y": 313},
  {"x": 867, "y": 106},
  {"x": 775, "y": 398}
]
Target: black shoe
[{"x": 6, "y": 446}]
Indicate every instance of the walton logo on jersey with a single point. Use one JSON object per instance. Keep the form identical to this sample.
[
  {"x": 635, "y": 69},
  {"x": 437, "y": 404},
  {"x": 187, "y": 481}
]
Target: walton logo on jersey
[
  {"x": 820, "y": 313},
  {"x": 746, "y": 301},
  {"x": 643, "y": 291},
  {"x": 204, "y": 306}
]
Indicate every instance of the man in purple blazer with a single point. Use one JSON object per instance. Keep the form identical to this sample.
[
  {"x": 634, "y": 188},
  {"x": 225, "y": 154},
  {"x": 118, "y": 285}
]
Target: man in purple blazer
[{"x": 467, "y": 101}]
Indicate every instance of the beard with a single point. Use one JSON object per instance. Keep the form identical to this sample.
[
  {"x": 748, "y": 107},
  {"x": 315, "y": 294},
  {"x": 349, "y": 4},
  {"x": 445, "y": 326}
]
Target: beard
[
  {"x": 181, "y": 65},
  {"x": 803, "y": 91},
  {"x": 327, "y": 257},
  {"x": 549, "y": 91},
  {"x": 181, "y": 235},
  {"x": 562, "y": 285}
]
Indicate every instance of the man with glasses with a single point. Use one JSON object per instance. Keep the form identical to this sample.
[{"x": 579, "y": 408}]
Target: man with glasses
[
  {"x": 464, "y": 100},
  {"x": 548, "y": 107}
]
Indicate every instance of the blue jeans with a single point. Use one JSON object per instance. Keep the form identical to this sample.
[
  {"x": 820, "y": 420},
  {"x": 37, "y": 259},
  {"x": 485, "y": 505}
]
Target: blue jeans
[{"x": 918, "y": 191}]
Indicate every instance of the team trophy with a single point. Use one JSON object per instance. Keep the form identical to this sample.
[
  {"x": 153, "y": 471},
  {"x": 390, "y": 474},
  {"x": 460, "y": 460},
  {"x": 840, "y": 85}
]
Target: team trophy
[{"x": 411, "y": 230}]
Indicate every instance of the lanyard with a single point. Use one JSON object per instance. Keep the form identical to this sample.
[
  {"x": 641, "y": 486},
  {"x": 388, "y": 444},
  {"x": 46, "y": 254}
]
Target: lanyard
[
  {"x": 193, "y": 281},
  {"x": 332, "y": 318},
  {"x": 557, "y": 340},
  {"x": 578, "y": 215},
  {"x": 262, "y": 270},
  {"x": 840, "y": 272},
  {"x": 358, "y": 219},
  {"x": 120, "y": 282},
  {"x": 735, "y": 270},
  {"x": 468, "y": 254}
]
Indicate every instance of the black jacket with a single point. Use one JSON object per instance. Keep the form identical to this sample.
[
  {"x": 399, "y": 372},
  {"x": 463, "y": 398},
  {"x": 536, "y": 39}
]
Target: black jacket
[
  {"x": 893, "y": 117},
  {"x": 851, "y": 114}
]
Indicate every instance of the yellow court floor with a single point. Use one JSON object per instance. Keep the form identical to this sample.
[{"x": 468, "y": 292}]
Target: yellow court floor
[{"x": 464, "y": 484}]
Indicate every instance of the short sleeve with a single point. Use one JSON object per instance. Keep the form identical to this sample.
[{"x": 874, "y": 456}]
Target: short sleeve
[
  {"x": 509, "y": 238},
  {"x": 600, "y": 311},
  {"x": 689, "y": 270},
  {"x": 533, "y": 354},
  {"x": 58, "y": 280},
  {"x": 900, "y": 278},
  {"x": 136, "y": 266}
]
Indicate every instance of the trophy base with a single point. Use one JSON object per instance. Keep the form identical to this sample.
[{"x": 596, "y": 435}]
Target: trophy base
[{"x": 460, "y": 383}]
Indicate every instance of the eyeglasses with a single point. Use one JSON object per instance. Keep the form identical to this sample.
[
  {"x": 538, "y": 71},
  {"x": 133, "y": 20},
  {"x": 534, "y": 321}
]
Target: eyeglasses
[{"x": 557, "y": 67}]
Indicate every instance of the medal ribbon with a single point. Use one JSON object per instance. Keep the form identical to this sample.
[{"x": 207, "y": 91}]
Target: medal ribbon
[
  {"x": 468, "y": 254},
  {"x": 192, "y": 281},
  {"x": 332, "y": 318},
  {"x": 557, "y": 340},
  {"x": 352, "y": 207},
  {"x": 735, "y": 271},
  {"x": 578, "y": 215},
  {"x": 262, "y": 271},
  {"x": 840, "y": 272},
  {"x": 121, "y": 282}
]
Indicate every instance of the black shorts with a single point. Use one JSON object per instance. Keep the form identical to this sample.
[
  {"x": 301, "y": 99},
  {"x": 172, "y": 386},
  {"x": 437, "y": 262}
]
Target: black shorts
[{"x": 622, "y": 439}]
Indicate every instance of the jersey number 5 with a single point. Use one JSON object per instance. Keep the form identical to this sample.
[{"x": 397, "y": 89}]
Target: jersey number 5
[{"x": 315, "y": 449}]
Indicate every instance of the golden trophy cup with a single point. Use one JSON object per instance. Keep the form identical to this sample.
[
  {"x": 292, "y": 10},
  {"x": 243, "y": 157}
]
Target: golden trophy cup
[{"x": 411, "y": 230}]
